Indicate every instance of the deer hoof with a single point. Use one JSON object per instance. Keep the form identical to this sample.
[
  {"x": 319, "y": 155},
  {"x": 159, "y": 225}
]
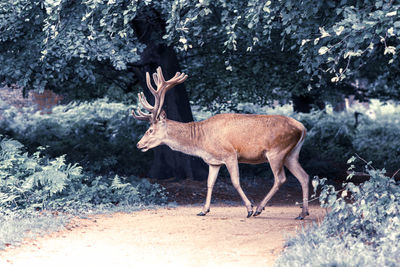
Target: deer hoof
[
  {"x": 256, "y": 213},
  {"x": 249, "y": 213},
  {"x": 203, "y": 213},
  {"x": 302, "y": 216}
]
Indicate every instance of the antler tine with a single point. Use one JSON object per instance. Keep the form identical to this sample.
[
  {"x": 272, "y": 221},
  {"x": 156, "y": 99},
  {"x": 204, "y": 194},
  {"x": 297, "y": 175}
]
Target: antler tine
[
  {"x": 177, "y": 79},
  {"x": 163, "y": 86},
  {"x": 142, "y": 116},
  {"x": 156, "y": 80},
  {"x": 145, "y": 104},
  {"x": 181, "y": 78},
  {"x": 152, "y": 90},
  {"x": 160, "y": 75}
]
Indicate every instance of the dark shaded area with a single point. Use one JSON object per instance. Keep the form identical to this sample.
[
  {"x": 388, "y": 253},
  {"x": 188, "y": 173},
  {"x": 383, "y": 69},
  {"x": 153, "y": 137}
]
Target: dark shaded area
[
  {"x": 305, "y": 103},
  {"x": 190, "y": 191}
]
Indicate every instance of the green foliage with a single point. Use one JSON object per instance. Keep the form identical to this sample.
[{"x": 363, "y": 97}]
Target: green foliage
[
  {"x": 260, "y": 50},
  {"x": 100, "y": 135},
  {"x": 33, "y": 182},
  {"x": 317, "y": 48},
  {"x": 330, "y": 134},
  {"x": 379, "y": 141},
  {"x": 361, "y": 41},
  {"x": 362, "y": 224},
  {"x": 333, "y": 137}
]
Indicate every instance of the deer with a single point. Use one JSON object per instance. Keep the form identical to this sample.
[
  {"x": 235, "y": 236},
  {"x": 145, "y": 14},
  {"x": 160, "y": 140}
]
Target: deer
[{"x": 226, "y": 139}]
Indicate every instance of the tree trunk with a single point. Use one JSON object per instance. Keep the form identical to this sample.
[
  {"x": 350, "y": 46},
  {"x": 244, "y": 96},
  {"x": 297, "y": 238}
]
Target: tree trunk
[
  {"x": 305, "y": 103},
  {"x": 167, "y": 163}
]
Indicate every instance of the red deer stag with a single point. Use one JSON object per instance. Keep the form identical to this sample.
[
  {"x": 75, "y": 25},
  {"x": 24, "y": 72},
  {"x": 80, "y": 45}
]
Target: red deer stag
[{"x": 227, "y": 139}]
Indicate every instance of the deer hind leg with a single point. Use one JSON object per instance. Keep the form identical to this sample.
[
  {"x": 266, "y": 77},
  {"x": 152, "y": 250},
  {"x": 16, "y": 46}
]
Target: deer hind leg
[
  {"x": 276, "y": 163},
  {"x": 292, "y": 163},
  {"x": 212, "y": 177},
  {"x": 233, "y": 169}
]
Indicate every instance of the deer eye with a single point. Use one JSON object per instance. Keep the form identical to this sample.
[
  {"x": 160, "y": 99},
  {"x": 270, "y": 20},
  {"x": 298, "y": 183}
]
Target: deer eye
[{"x": 150, "y": 130}]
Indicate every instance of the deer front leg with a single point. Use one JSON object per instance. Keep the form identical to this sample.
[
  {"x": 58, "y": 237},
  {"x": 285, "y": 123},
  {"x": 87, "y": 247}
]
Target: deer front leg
[
  {"x": 212, "y": 177},
  {"x": 233, "y": 169}
]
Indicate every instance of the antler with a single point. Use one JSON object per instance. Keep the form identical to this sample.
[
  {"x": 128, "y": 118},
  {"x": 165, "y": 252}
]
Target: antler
[{"x": 159, "y": 94}]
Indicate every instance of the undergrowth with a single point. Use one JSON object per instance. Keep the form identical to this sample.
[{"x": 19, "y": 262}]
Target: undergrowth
[
  {"x": 33, "y": 182},
  {"x": 100, "y": 136},
  {"x": 333, "y": 137},
  {"x": 361, "y": 229}
]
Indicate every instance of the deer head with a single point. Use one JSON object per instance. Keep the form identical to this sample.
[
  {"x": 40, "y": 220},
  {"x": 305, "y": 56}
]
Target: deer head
[{"x": 157, "y": 131}]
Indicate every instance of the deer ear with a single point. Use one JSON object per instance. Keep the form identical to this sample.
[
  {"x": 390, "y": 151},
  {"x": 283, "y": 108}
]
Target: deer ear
[{"x": 163, "y": 115}]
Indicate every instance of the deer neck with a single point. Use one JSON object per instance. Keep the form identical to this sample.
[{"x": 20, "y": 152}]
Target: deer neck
[{"x": 184, "y": 137}]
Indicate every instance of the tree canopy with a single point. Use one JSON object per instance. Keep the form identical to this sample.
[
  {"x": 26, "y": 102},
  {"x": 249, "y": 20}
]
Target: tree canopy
[{"x": 233, "y": 51}]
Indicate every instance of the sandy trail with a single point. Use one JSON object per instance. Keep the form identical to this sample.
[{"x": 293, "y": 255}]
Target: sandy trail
[{"x": 166, "y": 237}]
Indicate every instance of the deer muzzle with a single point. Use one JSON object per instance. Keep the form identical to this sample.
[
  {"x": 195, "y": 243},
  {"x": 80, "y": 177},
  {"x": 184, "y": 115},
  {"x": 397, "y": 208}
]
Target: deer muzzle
[{"x": 142, "y": 147}]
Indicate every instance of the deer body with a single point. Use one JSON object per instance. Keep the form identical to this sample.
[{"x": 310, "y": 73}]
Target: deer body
[
  {"x": 229, "y": 139},
  {"x": 222, "y": 135}
]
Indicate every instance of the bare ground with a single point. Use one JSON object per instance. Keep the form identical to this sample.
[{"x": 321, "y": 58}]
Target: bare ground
[{"x": 166, "y": 237}]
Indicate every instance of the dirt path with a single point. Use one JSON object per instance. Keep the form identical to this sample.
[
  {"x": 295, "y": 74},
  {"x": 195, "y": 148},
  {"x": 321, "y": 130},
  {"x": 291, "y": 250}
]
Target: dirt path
[{"x": 165, "y": 237}]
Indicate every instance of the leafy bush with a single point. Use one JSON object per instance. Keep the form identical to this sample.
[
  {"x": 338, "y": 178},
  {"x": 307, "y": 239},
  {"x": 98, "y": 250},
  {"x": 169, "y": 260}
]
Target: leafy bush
[
  {"x": 379, "y": 141},
  {"x": 361, "y": 228},
  {"x": 32, "y": 182},
  {"x": 333, "y": 137},
  {"x": 99, "y": 135},
  {"x": 329, "y": 137}
]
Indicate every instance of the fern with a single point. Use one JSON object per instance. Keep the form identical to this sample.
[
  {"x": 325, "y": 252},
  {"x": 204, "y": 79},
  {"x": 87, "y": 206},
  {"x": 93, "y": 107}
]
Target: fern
[
  {"x": 117, "y": 183},
  {"x": 32, "y": 182}
]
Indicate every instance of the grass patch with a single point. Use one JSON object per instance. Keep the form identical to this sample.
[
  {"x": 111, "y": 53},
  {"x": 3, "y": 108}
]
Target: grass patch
[{"x": 14, "y": 229}]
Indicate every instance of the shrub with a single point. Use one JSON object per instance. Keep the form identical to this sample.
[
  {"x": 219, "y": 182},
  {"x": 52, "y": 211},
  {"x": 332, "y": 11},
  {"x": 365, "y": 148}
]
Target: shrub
[
  {"x": 360, "y": 229},
  {"x": 379, "y": 141},
  {"x": 329, "y": 140},
  {"x": 333, "y": 137},
  {"x": 14, "y": 229},
  {"x": 32, "y": 182},
  {"x": 99, "y": 135}
]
